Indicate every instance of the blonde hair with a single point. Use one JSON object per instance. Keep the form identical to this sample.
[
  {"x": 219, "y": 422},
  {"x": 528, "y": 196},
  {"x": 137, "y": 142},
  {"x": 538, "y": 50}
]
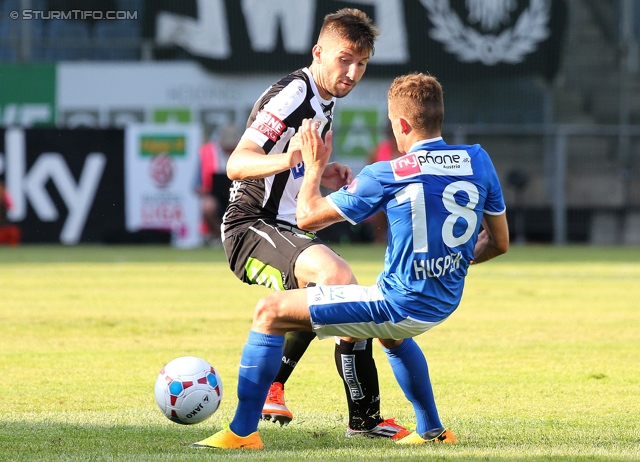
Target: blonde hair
[
  {"x": 352, "y": 25},
  {"x": 419, "y": 98}
]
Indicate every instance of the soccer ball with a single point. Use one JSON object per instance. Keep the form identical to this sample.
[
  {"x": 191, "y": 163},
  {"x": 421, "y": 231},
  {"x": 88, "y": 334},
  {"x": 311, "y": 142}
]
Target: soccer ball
[{"x": 188, "y": 390}]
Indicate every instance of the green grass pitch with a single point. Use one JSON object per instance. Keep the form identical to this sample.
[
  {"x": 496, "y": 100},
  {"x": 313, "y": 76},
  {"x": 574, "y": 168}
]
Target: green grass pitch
[{"x": 540, "y": 362}]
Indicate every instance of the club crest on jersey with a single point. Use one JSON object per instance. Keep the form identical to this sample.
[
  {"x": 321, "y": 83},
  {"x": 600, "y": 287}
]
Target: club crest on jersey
[
  {"x": 441, "y": 163},
  {"x": 269, "y": 125}
]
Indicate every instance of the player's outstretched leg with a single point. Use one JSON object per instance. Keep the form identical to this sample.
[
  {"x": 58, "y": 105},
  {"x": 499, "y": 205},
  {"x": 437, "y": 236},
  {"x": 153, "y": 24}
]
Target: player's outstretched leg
[
  {"x": 357, "y": 368},
  {"x": 258, "y": 366},
  {"x": 275, "y": 408},
  {"x": 412, "y": 373}
]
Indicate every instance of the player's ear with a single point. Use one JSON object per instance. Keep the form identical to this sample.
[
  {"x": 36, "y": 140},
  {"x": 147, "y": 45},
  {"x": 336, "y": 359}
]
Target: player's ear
[
  {"x": 405, "y": 126},
  {"x": 316, "y": 53}
]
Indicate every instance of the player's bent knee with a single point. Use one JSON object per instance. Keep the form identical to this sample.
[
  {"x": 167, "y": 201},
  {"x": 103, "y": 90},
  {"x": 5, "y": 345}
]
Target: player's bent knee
[
  {"x": 338, "y": 273},
  {"x": 323, "y": 266},
  {"x": 263, "y": 315}
]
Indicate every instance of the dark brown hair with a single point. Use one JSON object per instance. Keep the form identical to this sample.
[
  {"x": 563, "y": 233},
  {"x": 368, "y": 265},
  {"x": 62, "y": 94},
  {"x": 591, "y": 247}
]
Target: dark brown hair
[{"x": 353, "y": 25}]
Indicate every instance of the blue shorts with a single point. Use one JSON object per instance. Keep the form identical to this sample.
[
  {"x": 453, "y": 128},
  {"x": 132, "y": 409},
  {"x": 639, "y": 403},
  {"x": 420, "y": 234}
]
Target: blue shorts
[{"x": 360, "y": 312}]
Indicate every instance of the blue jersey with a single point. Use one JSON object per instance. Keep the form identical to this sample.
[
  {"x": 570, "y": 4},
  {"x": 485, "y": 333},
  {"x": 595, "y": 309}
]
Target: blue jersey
[{"x": 434, "y": 198}]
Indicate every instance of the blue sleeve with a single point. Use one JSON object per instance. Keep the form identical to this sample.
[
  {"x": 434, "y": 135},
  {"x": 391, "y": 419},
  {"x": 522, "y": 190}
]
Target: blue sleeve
[
  {"x": 494, "y": 205},
  {"x": 359, "y": 200}
]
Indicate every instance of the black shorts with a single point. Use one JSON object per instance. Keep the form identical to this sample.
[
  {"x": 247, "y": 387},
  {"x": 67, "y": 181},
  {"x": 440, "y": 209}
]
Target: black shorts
[{"x": 266, "y": 253}]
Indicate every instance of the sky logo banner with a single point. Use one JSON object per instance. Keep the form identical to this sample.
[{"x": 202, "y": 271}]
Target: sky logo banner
[{"x": 67, "y": 185}]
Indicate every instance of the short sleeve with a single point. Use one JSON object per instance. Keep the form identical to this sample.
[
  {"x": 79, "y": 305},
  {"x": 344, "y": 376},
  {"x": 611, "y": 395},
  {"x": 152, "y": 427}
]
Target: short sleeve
[{"x": 359, "y": 200}]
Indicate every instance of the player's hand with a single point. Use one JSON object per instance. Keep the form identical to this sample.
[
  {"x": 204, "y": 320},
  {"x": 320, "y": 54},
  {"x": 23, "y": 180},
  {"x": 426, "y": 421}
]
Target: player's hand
[
  {"x": 336, "y": 176},
  {"x": 315, "y": 151},
  {"x": 294, "y": 150}
]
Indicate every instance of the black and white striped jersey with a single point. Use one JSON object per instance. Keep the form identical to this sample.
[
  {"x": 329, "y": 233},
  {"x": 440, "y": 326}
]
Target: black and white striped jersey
[{"x": 274, "y": 120}]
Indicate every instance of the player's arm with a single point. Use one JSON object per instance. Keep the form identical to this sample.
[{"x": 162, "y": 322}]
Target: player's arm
[
  {"x": 313, "y": 212},
  {"x": 493, "y": 240},
  {"x": 248, "y": 161}
]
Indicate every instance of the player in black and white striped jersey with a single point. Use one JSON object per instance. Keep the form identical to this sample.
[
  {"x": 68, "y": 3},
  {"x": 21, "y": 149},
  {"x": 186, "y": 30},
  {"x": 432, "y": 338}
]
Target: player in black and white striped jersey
[{"x": 261, "y": 239}]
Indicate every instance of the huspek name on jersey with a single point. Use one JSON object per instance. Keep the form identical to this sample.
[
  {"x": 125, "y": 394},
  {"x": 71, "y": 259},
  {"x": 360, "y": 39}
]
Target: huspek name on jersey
[
  {"x": 269, "y": 125},
  {"x": 443, "y": 163}
]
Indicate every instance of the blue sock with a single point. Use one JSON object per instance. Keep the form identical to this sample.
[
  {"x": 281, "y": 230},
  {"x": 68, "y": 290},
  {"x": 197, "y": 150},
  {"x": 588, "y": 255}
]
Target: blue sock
[
  {"x": 412, "y": 373},
  {"x": 259, "y": 364}
]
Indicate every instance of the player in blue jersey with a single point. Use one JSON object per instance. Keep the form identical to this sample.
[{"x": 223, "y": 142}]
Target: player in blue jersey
[{"x": 445, "y": 210}]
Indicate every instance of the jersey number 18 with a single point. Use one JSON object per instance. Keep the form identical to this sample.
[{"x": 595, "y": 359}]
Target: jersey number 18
[{"x": 414, "y": 193}]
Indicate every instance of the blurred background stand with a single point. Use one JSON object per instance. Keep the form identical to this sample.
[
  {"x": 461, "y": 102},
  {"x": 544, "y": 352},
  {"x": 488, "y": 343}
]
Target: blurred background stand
[{"x": 518, "y": 179}]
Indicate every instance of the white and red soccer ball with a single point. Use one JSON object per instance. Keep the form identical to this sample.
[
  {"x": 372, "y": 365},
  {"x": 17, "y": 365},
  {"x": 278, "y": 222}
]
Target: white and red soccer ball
[{"x": 188, "y": 390}]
